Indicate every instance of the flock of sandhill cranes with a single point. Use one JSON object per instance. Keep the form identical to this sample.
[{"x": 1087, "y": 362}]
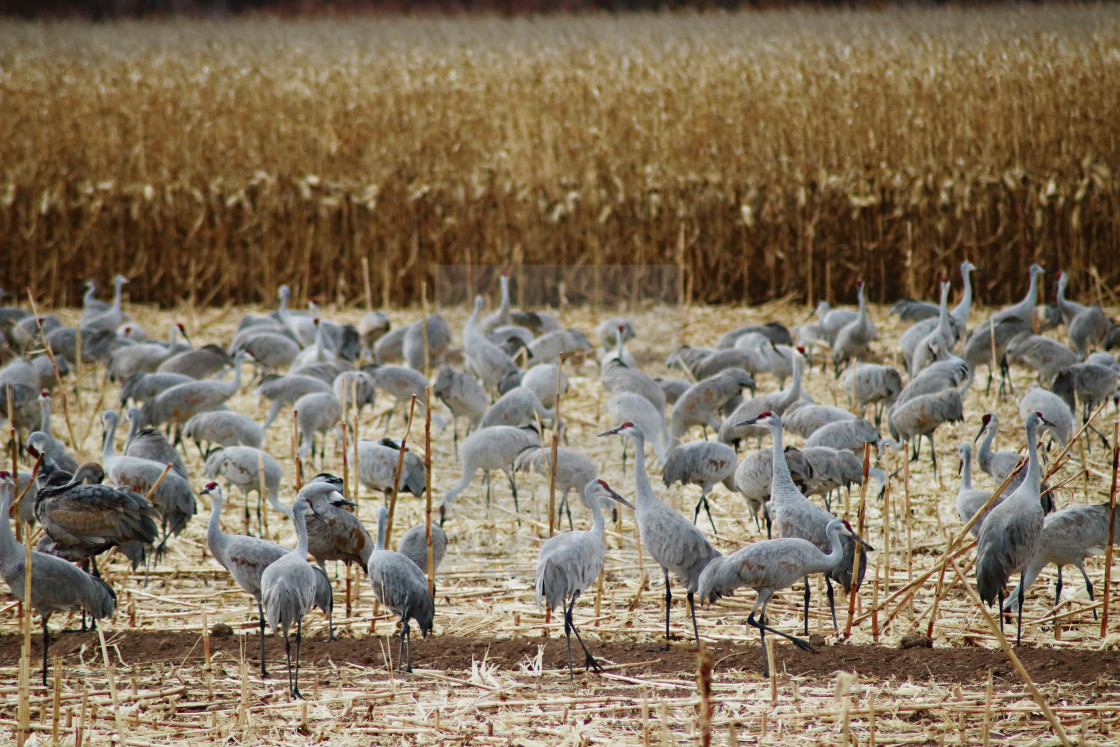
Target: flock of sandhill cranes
[{"x": 321, "y": 369}]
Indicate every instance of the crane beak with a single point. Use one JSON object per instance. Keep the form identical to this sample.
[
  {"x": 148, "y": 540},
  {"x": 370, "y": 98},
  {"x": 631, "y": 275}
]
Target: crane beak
[
  {"x": 751, "y": 421},
  {"x": 611, "y": 433},
  {"x": 621, "y": 500},
  {"x": 983, "y": 428},
  {"x": 861, "y": 540}
]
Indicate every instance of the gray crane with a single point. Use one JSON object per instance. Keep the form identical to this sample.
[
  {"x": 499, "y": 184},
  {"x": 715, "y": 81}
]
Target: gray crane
[
  {"x": 988, "y": 344},
  {"x": 492, "y": 448},
  {"x": 92, "y": 306},
  {"x": 317, "y": 413},
  {"x": 703, "y": 463},
  {"x": 288, "y": 586},
  {"x": 1089, "y": 384},
  {"x": 834, "y": 469},
  {"x": 402, "y": 384},
  {"x": 548, "y": 347},
  {"x": 1011, "y": 533},
  {"x": 502, "y": 316},
  {"x": 464, "y": 396},
  {"x": 399, "y": 584},
  {"x": 702, "y": 403},
  {"x": 174, "y": 497},
  {"x": 223, "y": 428},
  {"x": 1088, "y": 328},
  {"x": 769, "y": 566},
  {"x": 1024, "y": 309},
  {"x": 141, "y": 387},
  {"x": 803, "y": 419},
  {"x": 630, "y": 407},
  {"x": 282, "y": 391},
  {"x": 570, "y": 562},
  {"x": 300, "y": 324},
  {"x": 854, "y": 339},
  {"x": 997, "y": 464},
  {"x": 573, "y": 471},
  {"x": 389, "y": 348},
  {"x": 797, "y": 516},
  {"x": 1066, "y": 308},
  {"x": 355, "y": 390},
  {"x": 56, "y": 585},
  {"x": 271, "y": 351},
  {"x": 970, "y": 499},
  {"x": 670, "y": 539},
  {"x": 912, "y": 344},
  {"x": 921, "y": 415},
  {"x": 755, "y": 360},
  {"x": 755, "y": 472},
  {"x": 82, "y": 518},
  {"x": 246, "y": 558},
  {"x": 1044, "y": 355},
  {"x": 830, "y": 321},
  {"x": 108, "y": 318},
  {"x": 413, "y": 545},
  {"x": 318, "y": 352},
  {"x": 45, "y": 442},
  {"x": 1053, "y": 408},
  {"x": 910, "y": 310},
  {"x": 372, "y": 327},
  {"x": 97, "y": 345},
  {"x": 200, "y": 363},
  {"x": 537, "y": 322},
  {"x": 732, "y": 431},
  {"x": 1068, "y": 537},
  {"x": 486, "y": 361},
  {"x": 933, "y": 379},
  {"x": 149, "y": 443},
  {"x": 541, "y": 380},
  {"x": 674, "y": 389},
  {"x": 180, "y": 402},
  {"x": 241, "y": 466},
  {"x": 776, "y": 332},
  {"x": 519, "y": 406},
  {"x": 849, "y": 435},
  {"x": 377, "y": 467},
  {"x": 439, "y": 341},
  {"x": 608, "y": 329}
]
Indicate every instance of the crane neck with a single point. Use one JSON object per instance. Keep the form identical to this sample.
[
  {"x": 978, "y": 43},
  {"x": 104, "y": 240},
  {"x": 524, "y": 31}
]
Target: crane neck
[
  {"x": 470, "y": 329},
  {"x": 214, "y": 534},
  {"x": 274, "y": 501},
  {"x": 1034, "y": 467},
  {"x": 45, "y": 415},
  {"x": 836, "y": 549},
  {"x": 299, "y": 518},
  {"x": 503, "y": 308},
  {"x": 597, "y": 523},
  {"x": 107, "y": 447},
  {"x": 641, "y": 479},
  {"x": 133, "y": 428},
  {"x": 382, "y": 522},
  {"x": 961, "y": 310},
  {"x": 966, "y": 468},
  {"x": 618, "y": 335},
  {"x": 985, "y": 449},
  {"x": 8, "y": 544},
  {"x": 1031, "y": 298},
  {"x": 117, "y": 296},
  {"x": 794, "y": 392},
  {"x": 237, "y": 361},
  {"x": 90, "y": 294},
  {"x": 780, "y": 475}
]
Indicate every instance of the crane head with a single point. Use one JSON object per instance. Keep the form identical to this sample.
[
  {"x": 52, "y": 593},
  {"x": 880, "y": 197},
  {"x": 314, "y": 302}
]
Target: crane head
[
  {"x": 210, "y": 486},
  {"x": 1043, "y": 420},
  {"x": 622, "y": 429},
  {"x": 607, "y": 492},
  {"x": 764, "y": 418},
  {"x": 45, "y": 394},
  {"x": 984, "y": 422}
]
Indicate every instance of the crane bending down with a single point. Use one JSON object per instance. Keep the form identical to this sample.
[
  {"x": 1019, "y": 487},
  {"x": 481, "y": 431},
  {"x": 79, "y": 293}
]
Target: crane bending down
[
  {"x": 769, "y": 566},
  {"x": 674, "y": 542},
  {"x": 399, "y": 584},
  {"x": 569, "y": 563},
  {"x": 1012, "y": 532},
  {"x": 56, "y": 586}
]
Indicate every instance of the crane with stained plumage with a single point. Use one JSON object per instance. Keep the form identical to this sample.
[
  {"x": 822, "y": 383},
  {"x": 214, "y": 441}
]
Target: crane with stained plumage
[{"x": 570, "y": 562}]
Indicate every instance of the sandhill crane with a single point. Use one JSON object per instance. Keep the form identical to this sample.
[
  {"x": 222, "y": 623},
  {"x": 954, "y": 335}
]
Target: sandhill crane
[
  {"x": 703, "y": 463},
  {"x": 56, "y": 585},
  {"x": 402, "y": 384},
  {"x": 909, "y": 310},
  {"x": 608, "y": 330},
  {"x": 517, "y": 407},
  {"x": 760, "y": 359},
  {"x": 912, "y": 344},
  {"x": 1068, "y": 537},
  {"x": 464, "y": 396},
  {"x": 547, "y": 348},
  {"x": 389, "y": 348},
  {"x": 776, "y": 332},
  {"x": 755, "y": 472},
  {"x": 301, "y": 325},
  {"x": 488, "y": 362},
  {"x": 372, "y": 326},
  {"x": 492, "y": 448},
  {"x": 1011, "y": 533},
  {"x": 92, "y": 306},
  {"x": 671, "y": 540},
  {"x": 25, "y": 413},
  {"x": 414, "y": 546},
  {"x": 52, "y": 446},
  {"x": 569, "y": 563},
  {"x": 200, "y": 363},
  {"x": 1088, "y": 328},
  {"x": 849, "y": 435},
  {"x": 439, "y": 340},
  {"x": 970, "y": 499},
  {"x": 1101, "y": 358},
  {"x": 355, "y": 390},
  {"x": 1053, "y": 409},
  {"x": 701, "y": 404},
  {"x": 513, "y": 340},
  {"x": 502, "y": 316},
  {"x": 149, "y": 443},
  {"x": 921, "y": 415},
  {"x": 573, "y": 471},
  {"x": 797, "y": 516},
  {"x": 541, "y": 380},
  {"x": 97, "y": 345},
  {"x": 830, "y": 321},
  {"x": 617, "y": 376},
  {"x": 630, "y": 407},
  {"x": 223, "y": 428},
  {"x": 173, "y": 497},
  {"x": 398, "y": 584},
  {"x": 333, "y": 531},
  {"x": 987, "y": 345},
  {"x": 732, "y": 431},
  {"x": 1087, "y": 383},
  {"x": 83, "y": 518},
  {"x": 687, "y": 357},
  {"x": 288, "y": 585},
  {"x": 318, "y": 352},
  {"x": 141, "y": 387},
  {"x": 933, "y": 379},
  {"x": 110, "y": 318},
  {"x": 318, "y": 412},
  {"x": 833, "y": 469},
  {"x": 246, "y": 558},
  {"x": 282, "y": 391},
  {"x": 803, "y": 419},
  {"x": 537, "y": 322},
  {"x": 141, "y": 358},
  {"x": 674, "y": 389},
  {"x": 854, "y": 339},
  {"x": 377, "y": 467},
  {"x": 241, "y": 466},
  {"x": 1022, "y": 310},
  {"x": 180, "y": 402},
  {"x": 772, "y": 565},
  {"x": 271, "y": 351},
  {"x": 1046, "y": 356}
]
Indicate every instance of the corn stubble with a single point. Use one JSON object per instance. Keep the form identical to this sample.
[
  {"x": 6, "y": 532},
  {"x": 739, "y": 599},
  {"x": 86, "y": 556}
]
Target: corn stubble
[{"x": 773, "y": 153}]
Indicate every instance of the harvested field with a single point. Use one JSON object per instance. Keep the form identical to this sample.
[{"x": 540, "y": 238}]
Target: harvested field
[{"x": 494, "y": 671}]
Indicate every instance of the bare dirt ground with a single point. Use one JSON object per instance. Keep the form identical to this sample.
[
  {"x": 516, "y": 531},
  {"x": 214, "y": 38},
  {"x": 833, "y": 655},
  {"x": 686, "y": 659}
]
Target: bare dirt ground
[{"x": 496, "y": 672}]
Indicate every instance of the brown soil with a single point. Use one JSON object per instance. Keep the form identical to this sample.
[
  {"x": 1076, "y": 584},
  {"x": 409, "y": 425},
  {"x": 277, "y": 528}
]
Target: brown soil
[{"x": 452, "y": 654}]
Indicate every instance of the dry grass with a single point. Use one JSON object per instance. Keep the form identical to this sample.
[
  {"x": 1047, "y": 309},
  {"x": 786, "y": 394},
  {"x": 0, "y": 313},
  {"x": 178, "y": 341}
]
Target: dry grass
[
  {"x": 487, "y": 583},
  {"x": 770, "y": 153}
]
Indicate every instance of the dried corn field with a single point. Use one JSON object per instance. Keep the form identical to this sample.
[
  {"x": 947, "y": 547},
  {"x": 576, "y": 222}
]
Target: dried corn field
[
  {"x": 177, "y": 662},
  {"x": 771, "y": 153}
]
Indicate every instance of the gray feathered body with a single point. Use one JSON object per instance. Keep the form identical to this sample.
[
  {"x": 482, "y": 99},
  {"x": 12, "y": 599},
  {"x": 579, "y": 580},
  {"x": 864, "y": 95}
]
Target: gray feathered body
[
  {"x": 569, "y": 563},
  {"x": 414, "y": 546},
  {"x": 399, "y": 584}
]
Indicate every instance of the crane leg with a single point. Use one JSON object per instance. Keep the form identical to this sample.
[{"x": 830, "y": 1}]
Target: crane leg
[
  {"x": 933, "y": 456},
  {"x": 832, "y": 603},
  {"x": 404, "y": 651},
  {"x": 589, "y": 660},
  {"x": 486, "y": 479},
  {"x": 668, "y": 601},
  {"x": 1019, "y": 622},
  {"x": 46, "y": 645},
  {"x": 288, "y": 653},
  {"x": 692, "y": 611},
  {"x": 513, "y": 487},
  {"x": 763, "y": 628},
  {"x": 806, "y": 598},
  {"x": 1058, "y": 588},
  {"x": 260, "y": 611},
  {"x": 299, "y": 640},
  {"x": 1088, "y": 587},
  {"x": 708, "y": 510},
  {"x": 624, "y": 458}
]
